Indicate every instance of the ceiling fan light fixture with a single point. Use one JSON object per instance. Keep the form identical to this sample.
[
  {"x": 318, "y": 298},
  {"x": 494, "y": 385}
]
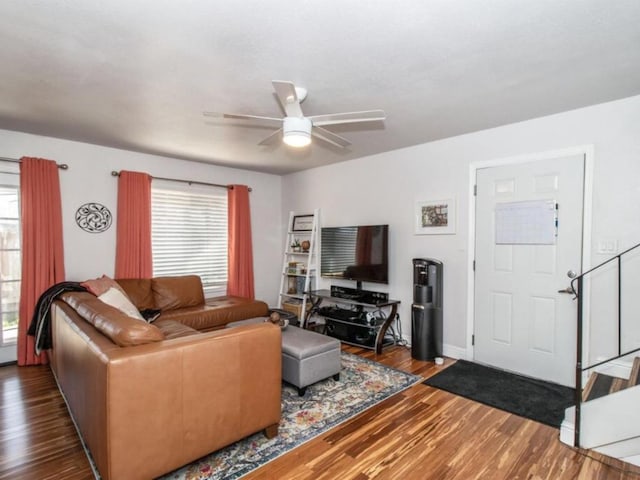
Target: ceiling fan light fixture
[
  {"x": 295, "y": 128},
  {"x": 297, "y": 140},
  {"x": 296, "y": 131}
]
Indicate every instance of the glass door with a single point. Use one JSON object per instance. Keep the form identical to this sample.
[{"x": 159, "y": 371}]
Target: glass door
[{"x": 10, "y": 265}]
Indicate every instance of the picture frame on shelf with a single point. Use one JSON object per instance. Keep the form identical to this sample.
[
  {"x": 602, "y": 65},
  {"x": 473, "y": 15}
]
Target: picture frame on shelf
[
  {"x": 302, "y": 223},
  {"x": 435, "y": 217}
]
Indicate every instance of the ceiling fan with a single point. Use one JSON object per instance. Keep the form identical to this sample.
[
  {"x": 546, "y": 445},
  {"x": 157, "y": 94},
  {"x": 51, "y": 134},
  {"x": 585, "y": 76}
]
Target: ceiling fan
[{"x": 297, "y": 129}]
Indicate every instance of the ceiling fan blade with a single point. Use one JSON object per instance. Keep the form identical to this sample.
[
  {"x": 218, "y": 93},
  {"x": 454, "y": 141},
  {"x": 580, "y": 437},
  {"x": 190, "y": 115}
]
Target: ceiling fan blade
[
  {"x": 349, "y": 117},
  {"x": 239, "y": 116},
  {"x": 332, "y": 138},
  {"x": 286, "y": 92},
  {"x": 272, "y": 138}
]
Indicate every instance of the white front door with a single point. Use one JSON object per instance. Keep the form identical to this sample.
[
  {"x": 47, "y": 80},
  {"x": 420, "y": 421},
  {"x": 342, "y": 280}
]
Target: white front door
[{"x": 522, "y": 322}]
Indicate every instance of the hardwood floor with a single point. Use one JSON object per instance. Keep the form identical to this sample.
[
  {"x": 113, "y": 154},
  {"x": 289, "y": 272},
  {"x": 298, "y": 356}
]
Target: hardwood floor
[
  {"x": 422, "y": 433},
  {"x": 37, "y": 437}
]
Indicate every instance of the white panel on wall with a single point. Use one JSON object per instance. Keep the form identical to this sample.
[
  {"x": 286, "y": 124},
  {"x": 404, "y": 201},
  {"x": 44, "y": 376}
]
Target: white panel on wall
[
  {"x": 542, "y": 325},
  {"x": 629, "y": 308},
  {"x": 502, "y": 317}
]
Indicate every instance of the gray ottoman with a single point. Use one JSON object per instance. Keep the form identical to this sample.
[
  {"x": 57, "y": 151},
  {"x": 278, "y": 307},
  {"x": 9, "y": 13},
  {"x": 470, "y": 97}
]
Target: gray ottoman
[{"x": 308, "y": 357}]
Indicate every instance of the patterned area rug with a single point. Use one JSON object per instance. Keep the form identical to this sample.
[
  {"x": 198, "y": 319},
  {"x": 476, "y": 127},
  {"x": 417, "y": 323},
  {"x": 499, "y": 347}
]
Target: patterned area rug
[{"x": 362, "y": 384}]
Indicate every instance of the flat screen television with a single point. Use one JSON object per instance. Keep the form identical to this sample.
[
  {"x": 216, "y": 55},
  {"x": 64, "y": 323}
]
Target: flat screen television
[{"x": 359, "y": 253}]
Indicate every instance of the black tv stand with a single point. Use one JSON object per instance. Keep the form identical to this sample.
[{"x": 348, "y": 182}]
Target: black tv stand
[
  {"x": 365, "y": 329},
  {"x": 359, "y": 295}
]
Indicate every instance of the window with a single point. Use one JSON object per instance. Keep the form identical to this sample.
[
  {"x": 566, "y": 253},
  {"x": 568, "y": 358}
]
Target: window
[
  {"x": 189, "y": 233},
  {"x": 10, "y": 261}
]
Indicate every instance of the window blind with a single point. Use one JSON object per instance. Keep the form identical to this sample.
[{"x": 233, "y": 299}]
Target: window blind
[{"x": 189, "y": 234}]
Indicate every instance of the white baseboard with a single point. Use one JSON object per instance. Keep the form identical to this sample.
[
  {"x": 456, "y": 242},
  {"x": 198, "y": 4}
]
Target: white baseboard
[{"x": 450, "y": 351}]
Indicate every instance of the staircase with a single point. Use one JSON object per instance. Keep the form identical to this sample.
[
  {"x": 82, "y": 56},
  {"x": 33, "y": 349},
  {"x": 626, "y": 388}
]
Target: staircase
[
  {"x": 609, "y": 416},
  {"x": 601, "y": 384},
  {"x": 605, "y": 417}
]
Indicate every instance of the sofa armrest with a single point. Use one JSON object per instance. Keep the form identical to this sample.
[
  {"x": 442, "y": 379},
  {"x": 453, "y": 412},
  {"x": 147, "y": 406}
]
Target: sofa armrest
[{"x": 175, "y": 401}]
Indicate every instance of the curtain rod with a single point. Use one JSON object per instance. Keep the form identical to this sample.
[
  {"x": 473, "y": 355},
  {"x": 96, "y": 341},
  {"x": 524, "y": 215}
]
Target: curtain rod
[
  {"x": 61, "y": 166},
  {"x": 115, "y": 173}
]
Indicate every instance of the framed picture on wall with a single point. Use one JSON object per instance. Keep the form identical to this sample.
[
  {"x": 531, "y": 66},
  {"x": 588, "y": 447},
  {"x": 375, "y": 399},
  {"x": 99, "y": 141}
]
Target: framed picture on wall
[
  {"x": 435, "y": 217},
  {"x": 302, "y": 223}
]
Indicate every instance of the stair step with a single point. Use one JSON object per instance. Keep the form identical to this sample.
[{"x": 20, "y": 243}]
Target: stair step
[
  {"x": 586, "y": 391},
  {"x": 600, "y": 384},
  {"x": 634, "y": 378},
  {"x": 618, "y": 384}
]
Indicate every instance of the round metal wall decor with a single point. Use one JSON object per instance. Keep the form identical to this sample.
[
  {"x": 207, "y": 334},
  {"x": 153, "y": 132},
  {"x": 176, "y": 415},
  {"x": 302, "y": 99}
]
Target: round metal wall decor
[{"x": 93, "y": 217}]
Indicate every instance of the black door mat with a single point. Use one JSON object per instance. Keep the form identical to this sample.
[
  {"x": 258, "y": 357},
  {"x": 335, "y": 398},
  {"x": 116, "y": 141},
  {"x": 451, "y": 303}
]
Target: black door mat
[{"x": 537, "y": 400}]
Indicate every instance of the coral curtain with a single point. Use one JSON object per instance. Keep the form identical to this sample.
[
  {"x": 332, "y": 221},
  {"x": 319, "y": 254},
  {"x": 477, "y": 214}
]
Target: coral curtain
[
  {"x": 42, "y": 245},
  {"x": 240, "y": 281},
  {"x": 133, "y": 235}
]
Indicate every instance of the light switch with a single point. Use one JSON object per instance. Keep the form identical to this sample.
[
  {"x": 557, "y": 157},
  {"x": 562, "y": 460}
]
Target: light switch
[{"x": 608, "y": 246}]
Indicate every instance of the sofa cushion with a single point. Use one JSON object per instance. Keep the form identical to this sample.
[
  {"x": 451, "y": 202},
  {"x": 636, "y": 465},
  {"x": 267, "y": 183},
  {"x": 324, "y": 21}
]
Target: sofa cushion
[
  {"x": 139, "y": 291},
  {"x": 118, "y": 299},
  {"x": 201, "y": 318},
  {"x": 170, "y": 293},
  {"x": 121, "y": 329},
  {"x": 218, "y": 312},
  {"x": 241, "y": 307},
  {"x": 172, "y": 329}
]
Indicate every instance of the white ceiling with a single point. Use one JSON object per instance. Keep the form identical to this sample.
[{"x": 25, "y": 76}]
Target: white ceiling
[{"x": 137, "y": 74}]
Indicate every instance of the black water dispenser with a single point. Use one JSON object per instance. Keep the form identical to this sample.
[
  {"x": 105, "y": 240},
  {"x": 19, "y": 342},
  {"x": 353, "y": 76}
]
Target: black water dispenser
[{"x": 426, "y": 310}]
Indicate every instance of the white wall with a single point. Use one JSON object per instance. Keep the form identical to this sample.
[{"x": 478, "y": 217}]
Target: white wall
[
  {"x": 382, "y": 189},
  {"x": 89, "y": 180},
  {"x": 376, "y": 189}
]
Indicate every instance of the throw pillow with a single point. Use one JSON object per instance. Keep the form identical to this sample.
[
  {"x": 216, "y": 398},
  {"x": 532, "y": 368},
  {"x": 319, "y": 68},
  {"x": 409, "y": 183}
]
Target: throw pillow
[
  {"x": 118, "y": 299},
  {"x": 100, "y": 285}
]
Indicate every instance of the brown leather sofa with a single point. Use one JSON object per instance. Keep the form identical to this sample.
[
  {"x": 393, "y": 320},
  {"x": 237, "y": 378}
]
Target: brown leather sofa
[
  {"x": 150, "y": 398},
  {"x": 182, "y": 299}
]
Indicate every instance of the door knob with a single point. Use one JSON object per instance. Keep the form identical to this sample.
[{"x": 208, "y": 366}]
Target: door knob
[{"x": 571, "y": 274}]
